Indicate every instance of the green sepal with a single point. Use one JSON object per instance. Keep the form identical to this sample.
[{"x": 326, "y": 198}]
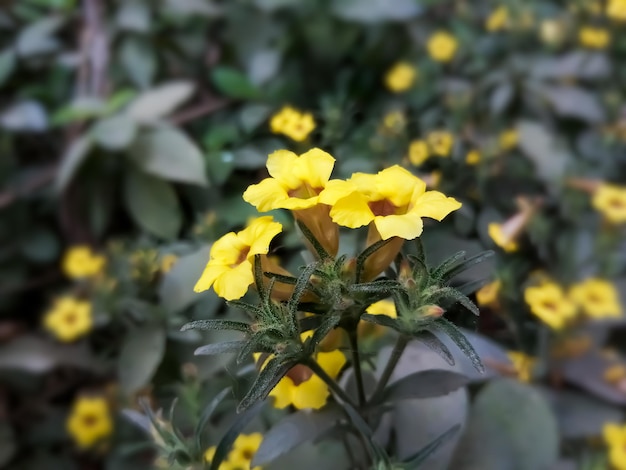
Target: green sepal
[
  {"x": 216, "y": 324},
  {"x": 461, "y": 341},
  {"x": 300, "y": 286}
]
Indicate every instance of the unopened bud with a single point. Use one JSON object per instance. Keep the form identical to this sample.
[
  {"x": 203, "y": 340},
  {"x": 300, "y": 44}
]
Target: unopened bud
[
  {"x": 431, "y": 311},
  {"x": 189, "y": 370}
]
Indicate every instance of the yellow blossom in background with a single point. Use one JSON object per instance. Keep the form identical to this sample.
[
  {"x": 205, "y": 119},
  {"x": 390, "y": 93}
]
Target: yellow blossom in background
[
  {"x": 550, "y": 304},
  {"x": 229, "y": 269},
  {"x": 598, "y": 298},
  {"x": 522, "y": 364},
  {"x": 615, "y": 373},
  {"x": 487, "y": 295},
  {"x": 610, "y": 201},
  {"x": 616, "y": 10},
  {"x": 394, "y": 200},
  {"x": 81, "y": 262},
  {"x": 244, "y": 448},
  {"x": 302, "y": 388},
  {"x": 69, "y": 318},
  {"x": 167, "y": 262},
  {"x": 615, "y": 438},
  {"x": 501, "y": 238},
  {"x": 473, "y": 157},
  {"x": 293, "y": 123},
  {"x": 394, "y": 121},
  {"x": 418, "y": 152},
  {"x": 552, "y": 31},
  {"x": 400, "y": 77},
  {"x": 593, "y": 38},
  {"x": 442, "y": 46},
  {"x": 441, "y": 142},
  {"x": 508, "y": 139},
  {"x": 498, "y": 19},
  {"x": 89, "y": 421}
]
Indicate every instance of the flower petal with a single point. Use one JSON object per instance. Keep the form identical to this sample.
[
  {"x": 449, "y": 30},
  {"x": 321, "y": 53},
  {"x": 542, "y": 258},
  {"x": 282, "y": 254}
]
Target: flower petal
[
  {"x": 283, "y": 392},
  {"x": 407, "y": 226},
  {"x": 315, "y": 167},
  {"x": 335, "y": 190},
  {"x": 211, "y": 272},
  {"x": 269, "y": 194},
  {"x": 280, "y": 165},
  {"x": 234, "y": 283},
  {"x": 258, "y": 235},
  {"x": 434, "y": 204},
  {"x": 332, "y": 362},
  {"x": 397, "y": 185},
  {"x": 311, "y": 393},
  {"x": 352, "y": 211}
]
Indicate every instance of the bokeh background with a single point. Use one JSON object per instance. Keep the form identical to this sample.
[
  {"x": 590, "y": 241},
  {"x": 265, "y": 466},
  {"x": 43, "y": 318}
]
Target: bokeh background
[{"x": 129, "y": 130}]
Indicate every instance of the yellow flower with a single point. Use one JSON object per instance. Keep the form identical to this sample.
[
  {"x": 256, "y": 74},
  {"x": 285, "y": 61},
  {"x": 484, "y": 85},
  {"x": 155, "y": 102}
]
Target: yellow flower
[
  {"x": 209, "y": 454},
  {"x": 501, "y": 238},
  {"x": 244, "y": 448},
  {"x": 615, "y": 439},
  {"x": 89, "y": 421},
  {"x": 473, "y": 157},
  {"x": 400, "y": 77},
  {"x": 616, "y": 9},
  {"x": 295, "y": 184},
  {"x": 80, "y": 262},
  {"x": 229, "y": 269},
  {"x": 498, "y": 19},
  {"x": 597, "y": 297},
  {"x": 551, "y": 31},
  {"x": 441, "y": 142},
  {"x": 488, "y": 295},
  {"x": 302, "y": 388},
  {"x": 522, "y": 364},
  {"x": 418, "y": 152},
  {"x": 167, "y": 262},
  {"x": 69, "y": 319},
  {"x": 508, "y": 139},
  {"x": 442, "y": 46},
  {"x": 615, "y": 373},
  {"x": 383, "y": 307},
  {"x": 394, "y": 121},
  {"x": 292, "y": 123},
  {"x": 594, "y": 38},
  {"x": 610, "y": 201},
  {"x": 550, "y": 304},
  {"x": 394, "y": 200}
]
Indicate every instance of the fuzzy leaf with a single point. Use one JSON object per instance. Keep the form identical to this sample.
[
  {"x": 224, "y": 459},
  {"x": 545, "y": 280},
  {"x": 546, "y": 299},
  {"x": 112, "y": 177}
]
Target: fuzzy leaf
[
  {"x": 473, "y": 260},
  {"x": 329, "y": 322},
  {"x": 449, "y": 263},
  {"x": 300, "y": 287},
  {"x": 219, "y": 348},
  {"x": 461, "y": 341},
  {"x": 380, "y": 287},
  {"x": 424, "y": 384},
  {"x": 382, "y": 320},
  {"x": 435, "y": 344},
  {"x": 416, "y": 460},
  {"x": 454, "y": 294},
  {"x": 369, "y": 251},
  {"x": 206, "y": 414},
  {"x": 270, "y": 375},
  {"x": 321, "y": 252},
  {"x": 216, "y": 324}
]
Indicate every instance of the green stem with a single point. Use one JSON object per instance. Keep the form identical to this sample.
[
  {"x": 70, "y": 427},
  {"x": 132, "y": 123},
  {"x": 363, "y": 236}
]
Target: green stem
[
  {"x": 396, "y": 353},
  {"x": 332, "y": 384},
  {"x": 356, "y": 365}
]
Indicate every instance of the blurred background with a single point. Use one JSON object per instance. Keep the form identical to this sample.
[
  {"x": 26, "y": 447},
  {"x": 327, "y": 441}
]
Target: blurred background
[{"x": 129, "y": 130}]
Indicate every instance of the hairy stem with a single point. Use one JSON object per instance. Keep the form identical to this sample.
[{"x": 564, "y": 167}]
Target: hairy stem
[{"x": 356, "y": 365}]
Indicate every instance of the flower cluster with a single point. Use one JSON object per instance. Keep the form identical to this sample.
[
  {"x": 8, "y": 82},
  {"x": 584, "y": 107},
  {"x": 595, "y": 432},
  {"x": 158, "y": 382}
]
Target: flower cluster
[
  {"x": 438, "y": 143},
  {"x": 293, "y": 123},
  {"x": 81, "y": 262}
]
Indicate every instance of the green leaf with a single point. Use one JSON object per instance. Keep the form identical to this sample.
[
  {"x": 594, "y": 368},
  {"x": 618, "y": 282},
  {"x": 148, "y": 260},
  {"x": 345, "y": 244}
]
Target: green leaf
[
  {"x": 24, "y": 116},
  {"x": 542, "y": 147},
  {"x": 233, "y": 83},
  {"x": 274, "y": 370},
  {"x": 510, "y": 426},
  {"x": 114, "y": 133},
  {"x": 176, "y": 289},
  {"x": 571, "y": 101},
  {"x": 139, "y": 60},
  {"x": 379, "y": 287},
  {"x": 317, "y": 246},
  {"x": 382, "y": 320},
  {"x": 158, "y": 102},
  {"x": 461, "y": 341},
  {"x": 7, "y": 65},
  {"x": 153, "y": 204},
  {"x": 301, "y": 285},
  {"x": 369, "y": 251},
  {"x": 424, "y": 384},
  {"x": 205, "y": 416},
  {"x": 141, "y": 354},
  {"x": 454, "y": 294},
  {"x": 219, "y": 348},
  {"x": 217, "y": 324},
  {"x": 37, "y": 38},
  {"x": 295, "y": 429},
  {"x": 223, "y": 448},
  {"x": 71, "y": 161},
  {"x": 415, "y": 461},
  {"x": 449, "y": 263},
  {"x": 40, "y": 245},
  {"x": 376, "y": 11},
  {"x": 478, "y": 258},
  {"x": 252, "y": 116},
  {"x": 329, "y": 322},
  {"x": 168, "y": 153},
  {"x": 434, "y": 344}
]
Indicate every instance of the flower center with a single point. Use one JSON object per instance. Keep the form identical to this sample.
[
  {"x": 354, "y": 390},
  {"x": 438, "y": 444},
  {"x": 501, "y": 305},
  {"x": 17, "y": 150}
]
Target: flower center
[
  {"x": 70, "y": 318},
  {"x": 299, "y": 374},
  {"x": 383, "y": 208},
  {"x": 243, "y": 255},
  {"x": 90, "y": 420},
  {"x": 304, "y": 191},
  {"x": 247, "y": 454},
  {"x": 617, "y": 203},
  {"x": 550, "y": 305}
]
